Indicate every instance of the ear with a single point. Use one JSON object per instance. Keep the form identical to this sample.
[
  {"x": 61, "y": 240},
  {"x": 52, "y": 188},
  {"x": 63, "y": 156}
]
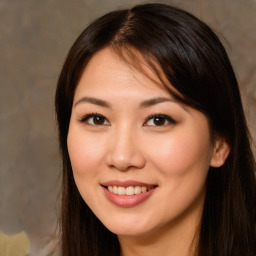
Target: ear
[{"x": 220, "y": 152}]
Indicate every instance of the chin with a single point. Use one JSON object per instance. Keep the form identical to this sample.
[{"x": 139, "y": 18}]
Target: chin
[
  {"x": 129, "y": 228},
  {"x": 128, "y": 231}
]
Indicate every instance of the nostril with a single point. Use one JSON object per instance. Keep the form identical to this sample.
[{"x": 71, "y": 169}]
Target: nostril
[{"x": 126, "y": 160}]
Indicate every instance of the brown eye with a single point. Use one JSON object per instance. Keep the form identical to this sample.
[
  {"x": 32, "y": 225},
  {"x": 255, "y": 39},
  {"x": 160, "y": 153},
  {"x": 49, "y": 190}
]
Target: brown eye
[
  {"x": 95, "y": 119},
  {"x": 159, "y": 120},
  {"x": 98, "y": 120}
]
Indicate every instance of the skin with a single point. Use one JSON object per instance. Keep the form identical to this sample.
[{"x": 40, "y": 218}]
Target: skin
[{"x": 128, "y": 144}]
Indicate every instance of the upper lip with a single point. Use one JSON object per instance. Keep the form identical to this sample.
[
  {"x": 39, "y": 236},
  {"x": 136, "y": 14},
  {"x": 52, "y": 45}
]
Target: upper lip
[{"x": 126, "y": 183}]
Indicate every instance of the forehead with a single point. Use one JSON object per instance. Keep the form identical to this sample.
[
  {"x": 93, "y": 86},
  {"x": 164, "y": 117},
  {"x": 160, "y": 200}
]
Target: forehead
[{"x": 107, "y": 71}]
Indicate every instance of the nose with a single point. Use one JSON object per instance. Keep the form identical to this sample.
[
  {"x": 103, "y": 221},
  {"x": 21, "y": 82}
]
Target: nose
[{"x": 124, "y": 151}]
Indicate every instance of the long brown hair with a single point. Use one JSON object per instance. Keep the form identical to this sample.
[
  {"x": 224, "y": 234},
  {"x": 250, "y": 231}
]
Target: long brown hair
[{"x": 194, "y": 61}]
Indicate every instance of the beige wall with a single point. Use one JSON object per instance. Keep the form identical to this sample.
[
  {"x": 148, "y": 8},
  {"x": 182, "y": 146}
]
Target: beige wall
[{"x": 35, "y": 36}]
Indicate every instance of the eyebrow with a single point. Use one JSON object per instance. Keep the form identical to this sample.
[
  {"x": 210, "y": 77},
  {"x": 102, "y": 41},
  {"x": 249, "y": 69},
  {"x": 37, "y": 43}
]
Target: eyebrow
[
  {"x": 154, "y": 101},
  {"x": 143, "y": 104},
  {"x": 95, "y": 101}
]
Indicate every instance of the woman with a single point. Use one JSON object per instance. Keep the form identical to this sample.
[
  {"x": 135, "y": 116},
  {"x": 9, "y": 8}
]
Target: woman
[{"x": 155, "y": 147}]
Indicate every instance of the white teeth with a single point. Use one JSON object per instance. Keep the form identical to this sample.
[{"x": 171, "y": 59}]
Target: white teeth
[
  {"x": 137, "y": 190},
  {"x": 128, "y": 191},
  {"x": 143, "y": 189},
  {"x": 115, "y": 190},
  {"x": 121, "y": 191}
]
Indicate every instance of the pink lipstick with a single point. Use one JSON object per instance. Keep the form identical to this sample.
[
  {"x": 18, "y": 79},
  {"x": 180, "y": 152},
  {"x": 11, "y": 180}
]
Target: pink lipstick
[{"x": 127, "y": 193}]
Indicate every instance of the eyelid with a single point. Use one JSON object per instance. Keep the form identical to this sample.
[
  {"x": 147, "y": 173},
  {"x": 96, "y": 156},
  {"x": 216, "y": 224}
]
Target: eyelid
[
  {"x": 85, "y": 118},
  {"x": 166, "y": 117}
]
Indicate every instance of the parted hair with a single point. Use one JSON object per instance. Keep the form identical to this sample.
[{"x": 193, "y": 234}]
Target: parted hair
[{"x": 194, "y": 61}]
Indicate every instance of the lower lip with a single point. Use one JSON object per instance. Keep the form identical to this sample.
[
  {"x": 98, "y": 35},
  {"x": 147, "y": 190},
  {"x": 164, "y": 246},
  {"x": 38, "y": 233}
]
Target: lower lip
[{"x": 127, "y": 201}]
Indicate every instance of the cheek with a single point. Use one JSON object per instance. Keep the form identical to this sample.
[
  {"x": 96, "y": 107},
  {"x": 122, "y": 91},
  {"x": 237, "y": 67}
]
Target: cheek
[
  {"x": 86, "y": 158},
  {"x": 181, "y": 153},
  {"x": 85, "y": 155},
  {"x": 182, "y": 160}
]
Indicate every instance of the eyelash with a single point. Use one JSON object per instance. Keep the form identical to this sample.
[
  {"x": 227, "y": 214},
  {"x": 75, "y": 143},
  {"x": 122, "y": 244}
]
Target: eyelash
[
  {"x": 165, "y": 118},
  {"x": 93, "y": 115}
]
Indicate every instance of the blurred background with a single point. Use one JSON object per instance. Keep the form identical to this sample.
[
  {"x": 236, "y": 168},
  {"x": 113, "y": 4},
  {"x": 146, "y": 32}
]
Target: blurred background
[{"x": 35, "y": 36}]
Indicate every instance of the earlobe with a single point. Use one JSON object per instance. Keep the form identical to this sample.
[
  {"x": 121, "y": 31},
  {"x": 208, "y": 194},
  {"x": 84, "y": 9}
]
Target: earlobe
[{"x": 220, "y": 152}]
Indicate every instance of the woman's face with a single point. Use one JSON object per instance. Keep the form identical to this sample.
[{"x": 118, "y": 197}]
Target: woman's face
[{"x": 139, "y": 157}]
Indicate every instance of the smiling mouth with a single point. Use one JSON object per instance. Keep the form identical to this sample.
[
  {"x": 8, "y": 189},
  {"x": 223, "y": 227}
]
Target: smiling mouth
[{"x": 129, "y": 191}]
